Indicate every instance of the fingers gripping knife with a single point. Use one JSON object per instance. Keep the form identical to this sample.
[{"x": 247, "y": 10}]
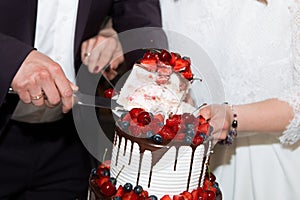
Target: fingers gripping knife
[{"x": 87, "y": 100}]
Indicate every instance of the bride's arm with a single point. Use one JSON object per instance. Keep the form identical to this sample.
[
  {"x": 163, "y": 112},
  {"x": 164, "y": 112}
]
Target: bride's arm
[{"x": 271, "y": 115}]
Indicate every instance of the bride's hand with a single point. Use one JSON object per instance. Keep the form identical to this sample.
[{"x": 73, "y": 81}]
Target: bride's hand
[{"x": 220, "y": 118}]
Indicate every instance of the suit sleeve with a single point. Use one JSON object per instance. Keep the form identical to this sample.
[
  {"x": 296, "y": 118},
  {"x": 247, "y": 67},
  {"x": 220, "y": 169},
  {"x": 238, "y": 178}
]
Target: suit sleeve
[{"x": 12, "y": 53}]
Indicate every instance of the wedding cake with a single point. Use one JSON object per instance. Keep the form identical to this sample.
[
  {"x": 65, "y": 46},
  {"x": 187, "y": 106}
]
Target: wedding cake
[{"x": 161, "y": 147}]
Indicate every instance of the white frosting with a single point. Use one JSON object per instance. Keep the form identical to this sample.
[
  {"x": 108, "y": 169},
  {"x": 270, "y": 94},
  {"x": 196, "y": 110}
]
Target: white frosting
[{"x": 164, "y": 179}]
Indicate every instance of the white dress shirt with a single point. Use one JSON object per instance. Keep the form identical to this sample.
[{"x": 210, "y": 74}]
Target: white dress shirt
[{"x": 55, "y": 30}]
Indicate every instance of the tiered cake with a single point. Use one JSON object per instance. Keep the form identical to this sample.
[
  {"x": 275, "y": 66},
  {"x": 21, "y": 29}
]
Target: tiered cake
[{"x": 161, "y": 146}]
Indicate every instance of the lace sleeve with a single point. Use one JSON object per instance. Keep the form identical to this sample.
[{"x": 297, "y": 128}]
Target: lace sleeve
[{"x": 292, "y": 132}]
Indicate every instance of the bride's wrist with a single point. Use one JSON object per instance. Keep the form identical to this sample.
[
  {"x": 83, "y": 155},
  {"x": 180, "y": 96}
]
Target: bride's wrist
[{"x": 232, "y": 124}]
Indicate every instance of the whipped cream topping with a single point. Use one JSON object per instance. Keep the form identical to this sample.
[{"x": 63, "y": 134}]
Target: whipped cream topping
[{"x": 143, "y": 90}]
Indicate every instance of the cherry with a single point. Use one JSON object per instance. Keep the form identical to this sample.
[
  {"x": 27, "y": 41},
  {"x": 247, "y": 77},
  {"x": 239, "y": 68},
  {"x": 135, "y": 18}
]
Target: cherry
[
  {"x": 109, "y": 93},
  {"x": 149, "y": 55},
  {"x": 108, "y": 189},
  {"x": 103, "y": 171},
  {"x": 135, "y": 112},
  {"x": 198, "y": 140},
  {"x": 211, "y": 177},
  {"x": 165, "y": 56},
  {"x": 210, "y": 195},
  {"x": 144, "y": 118}
]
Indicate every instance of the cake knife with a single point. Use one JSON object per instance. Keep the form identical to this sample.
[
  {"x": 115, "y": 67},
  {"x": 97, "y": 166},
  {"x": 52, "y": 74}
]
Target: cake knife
[{"x": 88, "y": 100}]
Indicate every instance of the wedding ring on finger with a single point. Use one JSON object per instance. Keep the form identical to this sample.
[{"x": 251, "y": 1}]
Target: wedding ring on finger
[{"x": 37, "y": 97}]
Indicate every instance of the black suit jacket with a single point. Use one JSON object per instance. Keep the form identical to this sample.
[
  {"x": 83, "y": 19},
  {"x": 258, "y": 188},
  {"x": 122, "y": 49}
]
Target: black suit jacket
[{"x": 17, "y": 29}]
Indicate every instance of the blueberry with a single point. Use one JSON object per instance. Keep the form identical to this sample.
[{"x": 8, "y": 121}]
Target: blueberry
[
  {"x": 190, "y": 132},
  {"x": 190, "y": 126},
  {"x": 152, "y": 197},
  {"x": 138, "y": 189},
  {"x": 203, "y": 135},
  {"x": 188, "y": 139},
  {"x": 113, "y": 180},
  {"x": 149, "y": 134},
  {"x": 127, "y": 187},
  {"x": 117, "y": 198},
  {"x": 125, "y": 125},
  {"x": 157, "y": 139},
  {"x": 94, "y": 172}
]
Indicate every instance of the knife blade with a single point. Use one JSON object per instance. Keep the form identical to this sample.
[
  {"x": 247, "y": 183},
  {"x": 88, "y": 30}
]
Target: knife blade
[
  {"x": 87, "y": 100},
  {"x": 94, "y": 101}
]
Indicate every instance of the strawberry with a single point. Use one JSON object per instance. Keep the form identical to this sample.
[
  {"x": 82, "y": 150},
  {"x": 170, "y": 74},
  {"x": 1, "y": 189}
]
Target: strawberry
[
  {"x": 202, "y": 120},
  {"x": 130, "y": 196},
  {"x": 166, "y": 133},
  {"x": 180, "y": 65},
  {"x": 178, "y": 197},
  {"x": 173, "y": 120},
  {"x": 108, "y": 93},
  {"x": 188, "y": 75},
  {"x": 166, "y": 197},
  {"x": 195, "y": 194},
  {"x": 120, "y": 191},
  {"x": 203, "y": 128},
  {"x": 187, "y": 195},
  {"x": 174, "y": 57}
]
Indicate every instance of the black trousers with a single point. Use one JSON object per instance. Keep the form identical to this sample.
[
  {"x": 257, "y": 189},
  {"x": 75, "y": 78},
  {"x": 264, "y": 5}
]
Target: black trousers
[{"x": 43, "y": 161}]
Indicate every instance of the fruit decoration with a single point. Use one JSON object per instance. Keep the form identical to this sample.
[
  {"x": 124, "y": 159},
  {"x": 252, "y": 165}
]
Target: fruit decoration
[
  {"x": 109, "y": 93},
  {"x": 185, "y": 128},
  {"x": 106, "y": 189},
  {"x": 161, "y": 60}
]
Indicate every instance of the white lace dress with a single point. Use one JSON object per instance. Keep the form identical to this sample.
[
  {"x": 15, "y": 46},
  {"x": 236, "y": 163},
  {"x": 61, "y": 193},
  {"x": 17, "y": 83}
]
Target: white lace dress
[{"x": 256, "y": 50}]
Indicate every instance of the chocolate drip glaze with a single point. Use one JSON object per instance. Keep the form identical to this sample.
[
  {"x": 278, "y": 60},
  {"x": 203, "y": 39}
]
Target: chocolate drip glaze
[{"x": 157, "y": 151}]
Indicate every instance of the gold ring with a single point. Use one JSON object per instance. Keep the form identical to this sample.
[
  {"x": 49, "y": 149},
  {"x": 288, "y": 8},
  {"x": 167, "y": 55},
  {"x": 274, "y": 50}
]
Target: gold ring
[
  {"x": 87, "y": 54},
  {"x": 37, "y": 97}
]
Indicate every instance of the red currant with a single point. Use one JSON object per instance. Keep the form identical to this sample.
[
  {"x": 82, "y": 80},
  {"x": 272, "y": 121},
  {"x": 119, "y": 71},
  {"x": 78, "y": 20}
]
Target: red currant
[{"x": 109, "y": 93}]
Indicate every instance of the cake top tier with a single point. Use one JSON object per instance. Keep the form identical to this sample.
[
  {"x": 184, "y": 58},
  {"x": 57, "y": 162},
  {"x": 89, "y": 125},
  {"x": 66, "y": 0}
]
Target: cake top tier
[{"x": 156, "y": 96}]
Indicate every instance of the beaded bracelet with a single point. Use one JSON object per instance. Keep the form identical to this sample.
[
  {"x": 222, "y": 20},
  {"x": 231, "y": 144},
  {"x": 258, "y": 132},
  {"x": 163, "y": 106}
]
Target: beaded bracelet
[{"x": 233, "y": 131}]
